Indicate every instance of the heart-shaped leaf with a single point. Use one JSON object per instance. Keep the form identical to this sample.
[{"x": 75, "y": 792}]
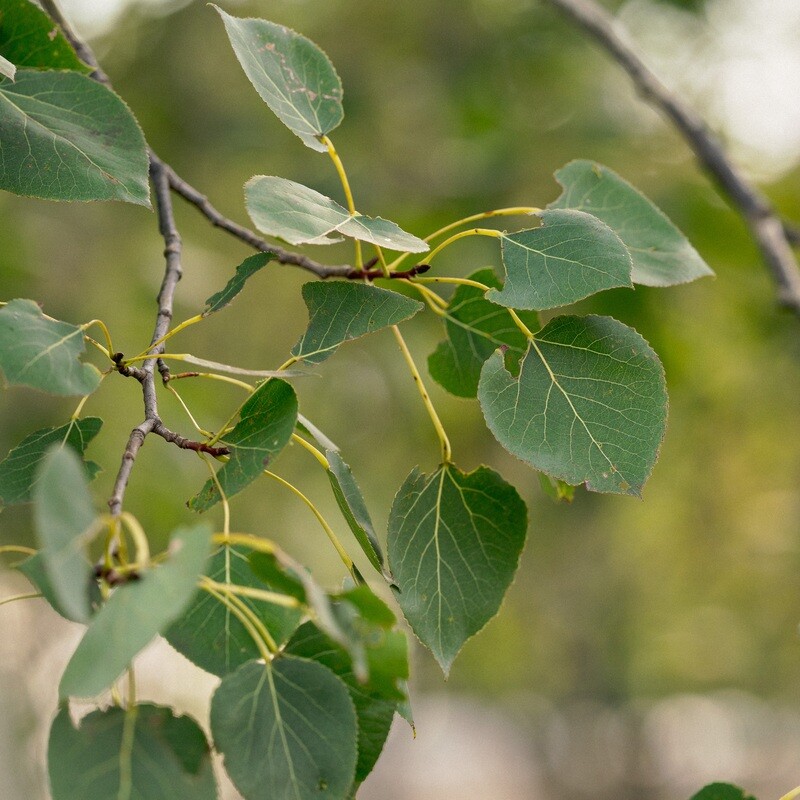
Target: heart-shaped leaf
[
  {"x": 454, "y": 545},
  {"x": 213, "y": 638},
  {"x": 135, "y": 613},
  {"x": 67, "y": 137},
  {"x": 475, "y": 329},
  {"x": 589, "y": 405},
  {"x": 339, "y": 311},
  {"x": 63, "y": 514},
  {"x": 266, "y": 423},
  {"x": 286, "y": 730},
  {"x": 43, "y": 353},
  {"x": 144, "y": 752},
  {"x": 571, "y": 256},
  {"x": 299, "y": 215},
  {"x": 291, "y": 74},
  {"x": 18, "y": 469},
  {"x": 662, "y": 256},
  {"x": 388, "y": 654}
]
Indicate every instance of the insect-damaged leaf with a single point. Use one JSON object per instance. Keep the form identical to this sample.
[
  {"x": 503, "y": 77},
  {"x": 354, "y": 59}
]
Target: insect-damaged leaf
[
  {"x": 266, "y": 423},
  {"x": 475, "y": 329},
  {"x": 135, "y": 613},
  {"x": 29, "y": 38},
  {"x": 286, "y": 730},
  {"x": 571, "y": 256},
  {"x": 662, "y": 256},
  {"x": 589, "y": 405},
  {"x": 67, "y": 137},
  {"x": 63, "y": 514},
  {"x": 291, "y": 74},
  {"x": 245, "y": 270},
  {"x": 299, "y": 215},
  {"x": 209, "y": 635},
  {"x": 454, "y": 544},
  {"x": 339, "y": 311},
  {"x": 18, "y": 469},
  {"x": 146, "y": 752},
  {"x": 43, "y": 353}
]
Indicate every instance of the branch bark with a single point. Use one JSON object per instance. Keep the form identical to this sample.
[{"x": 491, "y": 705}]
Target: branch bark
[{"x": 773, "y": 236}]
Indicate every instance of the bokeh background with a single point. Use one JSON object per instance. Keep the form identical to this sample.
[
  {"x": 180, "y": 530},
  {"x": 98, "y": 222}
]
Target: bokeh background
[{"x": 646, "y": 647}]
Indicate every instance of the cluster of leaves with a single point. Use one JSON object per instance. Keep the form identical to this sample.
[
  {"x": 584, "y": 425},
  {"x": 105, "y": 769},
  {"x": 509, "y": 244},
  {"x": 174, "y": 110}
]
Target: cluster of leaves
[{"x": 310, "y": 679}]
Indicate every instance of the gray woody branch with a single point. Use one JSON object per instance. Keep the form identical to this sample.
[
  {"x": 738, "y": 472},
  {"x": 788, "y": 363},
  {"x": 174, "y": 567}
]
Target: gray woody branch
[{"x": 774, "y": 237}]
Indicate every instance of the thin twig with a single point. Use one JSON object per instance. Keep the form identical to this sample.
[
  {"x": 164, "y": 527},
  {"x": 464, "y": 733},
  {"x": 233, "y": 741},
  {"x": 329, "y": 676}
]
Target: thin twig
[
  {"x": 773, "y": 237},
  {"x": 184, "y": 188}
]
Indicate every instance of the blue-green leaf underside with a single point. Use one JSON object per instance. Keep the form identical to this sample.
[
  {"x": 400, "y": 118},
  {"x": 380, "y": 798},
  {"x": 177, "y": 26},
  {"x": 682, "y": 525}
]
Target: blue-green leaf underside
[
  {"x": 351, "y": 503},
  {"x": 164, "y": 757},
  {"x": 662, "y": 256},
  {"x": 18, "y": 469},
  {"x": 234, "y": 286},
  {"x": 299, "y": 215},
  {"x": 29, "y": 38},
  {"x": 722, "y": 791},
  {"x": 475, "y": 328},
  {"x": 339, "y": 311},
  {"x": 571, "y": 256},
  {"x": 373, "y": 711},
  {"x": 63, "y": 514},
  {"x": 67, "y": 137},
  {"x": 286, "y": 730},
  {"x": 43, "y": 353},
  {"x": 291, "y": 75},
  {"x": 213, "y": 638},
  {"x": 454, "y": 545},
  {"x": 589, "y": 405},
  {"x": 135, "y": 613},
  {"x": 266, "y": 423}
]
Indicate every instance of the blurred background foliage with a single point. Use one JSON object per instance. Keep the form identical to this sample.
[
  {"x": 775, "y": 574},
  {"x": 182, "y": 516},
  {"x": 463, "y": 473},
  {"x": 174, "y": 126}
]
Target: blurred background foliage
[{"x": 645, "y": 647}]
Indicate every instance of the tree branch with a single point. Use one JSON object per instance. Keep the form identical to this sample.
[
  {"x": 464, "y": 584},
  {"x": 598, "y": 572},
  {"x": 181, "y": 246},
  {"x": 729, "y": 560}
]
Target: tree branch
[{"x": 773, "y": 237}]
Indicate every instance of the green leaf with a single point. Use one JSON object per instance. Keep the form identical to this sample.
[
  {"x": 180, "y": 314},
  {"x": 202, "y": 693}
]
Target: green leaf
[
  {"x": 67, "y": 137},
  {"x": 18, "y": 469},
  {"x": 454, "y": 544},
  {"x": 589, "y": 405},
  {"x": 213, "y": 638},
  {"x": 266, "y": 423},
  {"x": 662, "y": 256},
  {"x": 571, "y": 256},
  {"x": 63, "y": 514},
  {"x": 135, "y": 613},
  {"x": 244, "y": 271},
  {"x": 147, "y": 753},
  {"x": 475, "y": 329},
  {"x": 373, "y": 711},
  {"x": 7, "y": 69},
  {"x": 34, "y": 570},
  {"x": 29, "y": 38},
  {"x": 287, "y": 731},
  {"x": 43, "y": 353},
  {"x": 722, "y": 791},
  {"x": 291, "y": 75},
  {"x": 354, "y": 509},
  {"x": 299, "y": 215},
  {"x": 558, "y": 490},
  {"x": 339, "y": 311}
]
